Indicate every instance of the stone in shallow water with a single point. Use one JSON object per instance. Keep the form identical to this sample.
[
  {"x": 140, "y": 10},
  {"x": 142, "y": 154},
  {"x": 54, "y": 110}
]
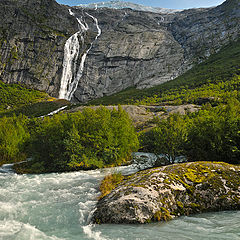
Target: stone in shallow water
[{"x": 161, "y": 194}]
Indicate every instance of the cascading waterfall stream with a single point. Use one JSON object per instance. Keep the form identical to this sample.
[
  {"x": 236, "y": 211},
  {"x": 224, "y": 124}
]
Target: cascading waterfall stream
[{"x": 71, "y": 72}]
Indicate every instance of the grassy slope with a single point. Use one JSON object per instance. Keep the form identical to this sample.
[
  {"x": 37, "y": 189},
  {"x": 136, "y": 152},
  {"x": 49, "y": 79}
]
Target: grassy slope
[
  {"x": 13, "y": 96},
  {"x": 219, "y": 68},
  {"x": 16, "y": 99}
]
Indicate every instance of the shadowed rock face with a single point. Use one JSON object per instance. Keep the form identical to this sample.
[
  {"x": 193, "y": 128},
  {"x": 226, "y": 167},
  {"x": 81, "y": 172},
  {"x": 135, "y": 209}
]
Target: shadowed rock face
[
  {"x": 161, "y": 194},
  {"x": 32, "y": 38},
  {"x": 140, "y": 49}
]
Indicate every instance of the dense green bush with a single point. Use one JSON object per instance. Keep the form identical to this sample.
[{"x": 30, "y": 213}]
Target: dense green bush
[
  {"x": 65, "y": 142},
  {"x": 215, "y": 134},
  {"x": 13, "y": 136},
  {"x": 212, "y": 134},
  {"x": 83, "y": 140}
]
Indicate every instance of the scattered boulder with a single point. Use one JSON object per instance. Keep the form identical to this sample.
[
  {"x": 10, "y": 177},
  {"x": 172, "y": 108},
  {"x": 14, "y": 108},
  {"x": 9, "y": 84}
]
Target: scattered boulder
[{"x": 160, "y": 194}]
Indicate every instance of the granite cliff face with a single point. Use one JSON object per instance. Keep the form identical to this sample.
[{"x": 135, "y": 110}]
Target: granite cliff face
[
  {"x": 32, "y": 38},
  {"x": 116, "y": 48}
]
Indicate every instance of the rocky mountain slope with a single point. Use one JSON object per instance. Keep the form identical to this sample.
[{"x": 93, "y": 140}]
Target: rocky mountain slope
[
  {"x": 86, "y": 53},
  {"x": 32, "y": 38}
]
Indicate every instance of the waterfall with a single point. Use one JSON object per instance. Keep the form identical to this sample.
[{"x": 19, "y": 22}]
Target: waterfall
[
  {"x": 72, "y": 72},
  {"x": 96, "y": 23}
]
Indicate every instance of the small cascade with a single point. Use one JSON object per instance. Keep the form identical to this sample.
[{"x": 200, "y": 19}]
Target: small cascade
[
  {"x": 54, "y": 112},
  {"x": 6, "y": 168},
  {"x": 72, "y": 72},
  {"x": 96, "y": 23}
]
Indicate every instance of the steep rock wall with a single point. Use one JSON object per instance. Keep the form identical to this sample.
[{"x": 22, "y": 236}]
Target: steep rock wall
[
  {"x": 144, "y": 49},
  {"x": 139, "y": 49},
  {"x": 32, "y": 38}
]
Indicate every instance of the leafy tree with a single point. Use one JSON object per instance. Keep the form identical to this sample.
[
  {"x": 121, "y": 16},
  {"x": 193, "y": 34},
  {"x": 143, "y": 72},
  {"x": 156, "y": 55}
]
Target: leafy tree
[
  {"x": 214, "y": 135},
  {"x": 47, "y": 144},
  {"x": 83, "y": 140},
  {"x": 168, "y": 137},
  {"x": 103, "y": 138}
]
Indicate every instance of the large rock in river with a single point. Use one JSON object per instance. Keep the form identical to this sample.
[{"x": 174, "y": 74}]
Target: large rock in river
[{"x": 166, "y": 192}]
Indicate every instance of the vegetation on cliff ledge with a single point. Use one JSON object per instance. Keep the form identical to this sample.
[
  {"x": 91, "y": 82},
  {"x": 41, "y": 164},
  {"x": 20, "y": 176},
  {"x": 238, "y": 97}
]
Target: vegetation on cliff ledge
[{"x": 14, "y": 95}]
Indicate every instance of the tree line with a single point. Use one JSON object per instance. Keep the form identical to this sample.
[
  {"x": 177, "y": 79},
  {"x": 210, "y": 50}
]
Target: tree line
[
  {"x": 212, "y": 134},
  {"x": 104, "y": 138},
  {"x": 65, "y": 142}
]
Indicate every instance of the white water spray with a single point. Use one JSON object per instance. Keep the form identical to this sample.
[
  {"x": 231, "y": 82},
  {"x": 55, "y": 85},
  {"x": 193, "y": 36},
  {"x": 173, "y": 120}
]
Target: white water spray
[
  {"x": 71, "y": 72},
  {"x": 96, "y": 23},
  {"x": 59, "y": 207},
  {"x": 54, "y": 112},
  {"x": 6, "y": 168}
]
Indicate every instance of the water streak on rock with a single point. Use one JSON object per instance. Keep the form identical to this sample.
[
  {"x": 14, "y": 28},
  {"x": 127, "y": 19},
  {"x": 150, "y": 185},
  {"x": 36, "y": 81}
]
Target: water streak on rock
[{"x": 72, "y": 72}]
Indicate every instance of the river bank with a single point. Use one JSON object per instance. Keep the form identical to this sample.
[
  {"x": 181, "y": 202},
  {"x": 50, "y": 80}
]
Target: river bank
[{"x": 59, "y": 207}]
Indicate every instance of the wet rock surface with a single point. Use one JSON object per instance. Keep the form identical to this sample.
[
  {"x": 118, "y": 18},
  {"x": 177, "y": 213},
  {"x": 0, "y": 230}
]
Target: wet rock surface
[{"x": 161, "y": 194}]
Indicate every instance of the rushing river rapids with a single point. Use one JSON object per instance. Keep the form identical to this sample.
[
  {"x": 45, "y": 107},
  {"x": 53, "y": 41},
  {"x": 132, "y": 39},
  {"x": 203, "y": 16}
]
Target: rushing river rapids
[{"x": 59, "y": 206}]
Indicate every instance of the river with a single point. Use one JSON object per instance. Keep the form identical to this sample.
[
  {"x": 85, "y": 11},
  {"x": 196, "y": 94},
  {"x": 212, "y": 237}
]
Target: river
[{"x": 59, "y": 206}]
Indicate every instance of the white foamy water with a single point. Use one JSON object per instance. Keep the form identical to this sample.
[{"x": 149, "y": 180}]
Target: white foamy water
[
  {"x": 59, "y": 207},
  {"x": 72, "y": 70}
]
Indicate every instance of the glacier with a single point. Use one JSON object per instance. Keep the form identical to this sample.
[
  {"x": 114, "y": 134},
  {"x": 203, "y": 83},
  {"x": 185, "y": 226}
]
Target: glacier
[{"x": 122, "y": 5}]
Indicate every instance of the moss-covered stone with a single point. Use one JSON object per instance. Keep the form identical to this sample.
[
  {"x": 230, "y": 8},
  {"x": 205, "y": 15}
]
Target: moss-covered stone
[{"x": 161, "y": 194}]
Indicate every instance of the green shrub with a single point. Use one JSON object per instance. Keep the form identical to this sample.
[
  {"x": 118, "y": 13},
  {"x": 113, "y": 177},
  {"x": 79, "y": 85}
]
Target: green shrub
[
  {"x": 212, "y": 134},
  {"x": 13, "y": 136},
  {"x": 215, "y": 134},
  {"x": 168, "y": 138},
  {"x": 83, "y": 140}
]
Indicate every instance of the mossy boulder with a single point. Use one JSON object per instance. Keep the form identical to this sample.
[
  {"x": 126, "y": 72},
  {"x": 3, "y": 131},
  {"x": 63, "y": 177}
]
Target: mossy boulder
[{"x": 160, "y": 194}]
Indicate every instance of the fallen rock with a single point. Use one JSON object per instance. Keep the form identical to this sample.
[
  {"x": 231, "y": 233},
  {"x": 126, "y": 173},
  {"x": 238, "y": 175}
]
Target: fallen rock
[{"x": 160, "y": 194}]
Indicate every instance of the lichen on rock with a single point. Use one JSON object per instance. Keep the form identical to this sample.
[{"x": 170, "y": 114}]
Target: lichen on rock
[{"x": 161, "y": 194}]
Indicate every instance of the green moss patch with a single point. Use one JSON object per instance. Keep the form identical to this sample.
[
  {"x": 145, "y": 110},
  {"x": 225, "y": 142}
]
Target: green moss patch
[{"x": 161, "y": 194}]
